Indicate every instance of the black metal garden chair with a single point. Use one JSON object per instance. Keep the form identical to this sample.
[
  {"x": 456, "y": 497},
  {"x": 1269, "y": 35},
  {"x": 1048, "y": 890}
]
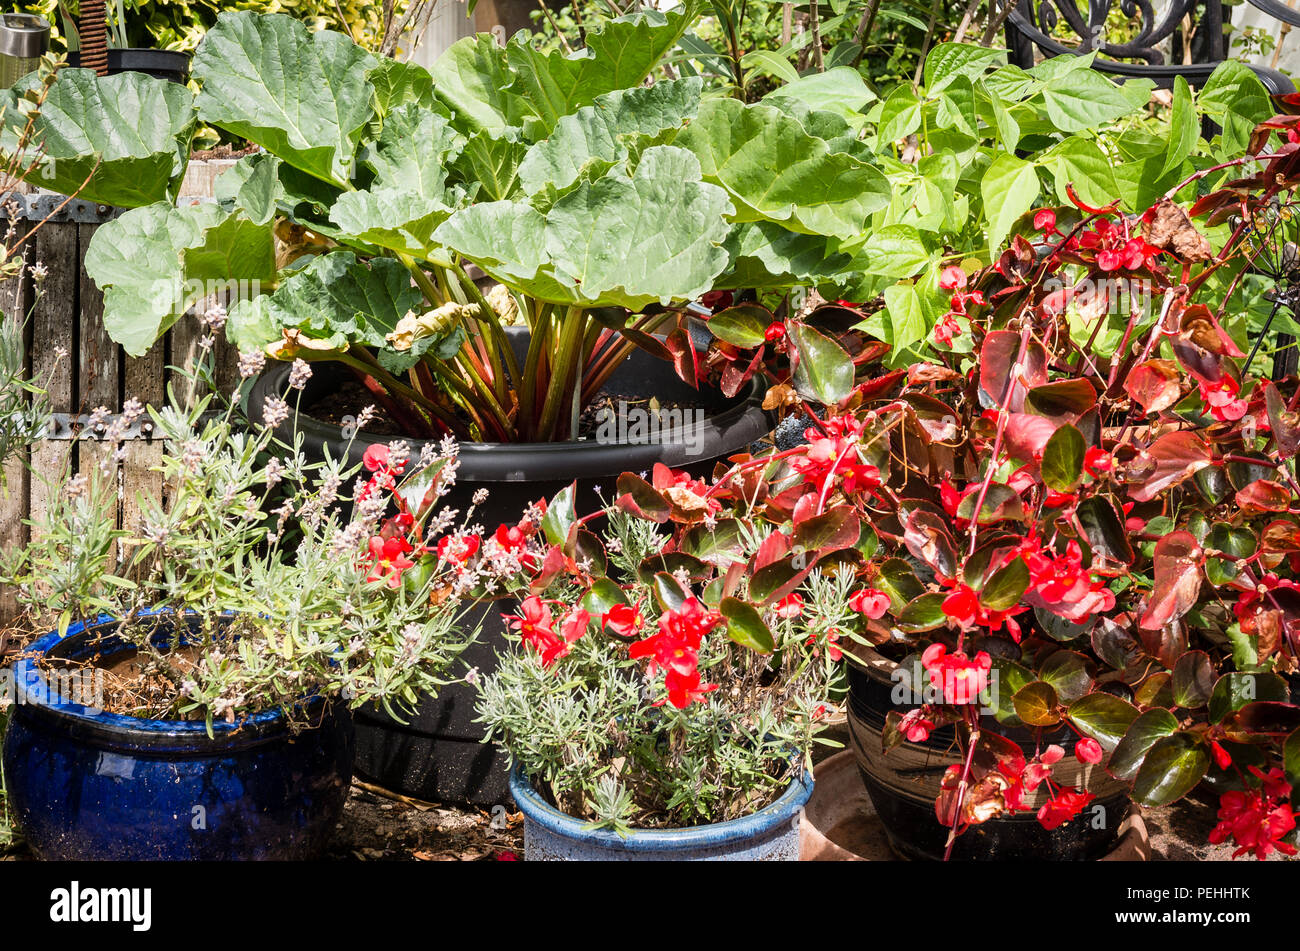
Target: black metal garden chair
[{"x": 1031, "y": 24}]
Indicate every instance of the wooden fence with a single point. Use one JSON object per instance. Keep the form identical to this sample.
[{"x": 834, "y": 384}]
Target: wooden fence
[{"x": 69, "y": 353}]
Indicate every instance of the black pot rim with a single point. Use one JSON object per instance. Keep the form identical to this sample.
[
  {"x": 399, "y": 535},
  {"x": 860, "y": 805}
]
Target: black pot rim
[
  {"x": 134, "y": 55},
  {"x": 730, "y": 429},
  {"x": 35, "y": 700},
  {"x": 862, "y": 656}
]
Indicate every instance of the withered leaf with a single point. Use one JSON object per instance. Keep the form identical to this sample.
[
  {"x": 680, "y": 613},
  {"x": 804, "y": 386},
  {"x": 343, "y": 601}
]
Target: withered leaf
[{"x": 1169, "y": 229}]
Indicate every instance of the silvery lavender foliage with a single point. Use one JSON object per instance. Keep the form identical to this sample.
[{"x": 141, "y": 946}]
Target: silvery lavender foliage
[
  {"x": 269, "y": 556},
  {"x": 593, "y": 729},
  {"x": 24, "y": 407}
]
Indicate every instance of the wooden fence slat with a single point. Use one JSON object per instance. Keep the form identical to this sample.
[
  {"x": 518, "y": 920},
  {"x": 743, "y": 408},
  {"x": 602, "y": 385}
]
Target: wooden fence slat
[
  {"x": 53, "y": 345},
  {"x": 184, "y": 353},
  {"x": 143, "y": 379},
  {"x": 69, "y": 314},
  {"x": 97, "y": 381},
  {"x": 15, "y": 299}
]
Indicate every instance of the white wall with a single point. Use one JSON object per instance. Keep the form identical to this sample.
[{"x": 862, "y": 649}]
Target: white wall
[
  {"x": 447, "y": 25},
  {"x": 1289, "y": 61}
]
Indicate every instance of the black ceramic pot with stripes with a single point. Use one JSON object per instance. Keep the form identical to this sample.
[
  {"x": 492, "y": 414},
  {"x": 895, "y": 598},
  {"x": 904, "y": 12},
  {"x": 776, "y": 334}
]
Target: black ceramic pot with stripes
[
  {"x": 904, "y": 783},
  {"x": 438, "y": 753}
]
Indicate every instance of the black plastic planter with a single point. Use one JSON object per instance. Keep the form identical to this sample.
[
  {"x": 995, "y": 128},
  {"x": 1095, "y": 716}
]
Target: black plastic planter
[
  {"x": 439, "y": 754},
  {"x": 904, "y": 782},
  {"x": 161, "y": 64}
]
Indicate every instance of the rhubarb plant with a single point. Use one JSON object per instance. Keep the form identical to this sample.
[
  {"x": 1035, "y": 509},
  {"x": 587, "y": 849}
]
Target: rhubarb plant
[
  {"x": 602, "y": 206},
  {"x": 607, "y": 207}
]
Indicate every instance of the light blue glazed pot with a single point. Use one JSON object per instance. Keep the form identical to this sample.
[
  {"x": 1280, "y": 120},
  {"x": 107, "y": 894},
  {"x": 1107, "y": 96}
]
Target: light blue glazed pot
[{"x": 769, "y": 835}]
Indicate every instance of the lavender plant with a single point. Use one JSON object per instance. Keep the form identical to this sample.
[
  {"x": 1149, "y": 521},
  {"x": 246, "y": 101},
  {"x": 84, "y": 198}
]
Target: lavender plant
[
  {"x": 24, "y": 405},
  {"x": 293, "y": 583},
  {"x": 718, "y": 722}
]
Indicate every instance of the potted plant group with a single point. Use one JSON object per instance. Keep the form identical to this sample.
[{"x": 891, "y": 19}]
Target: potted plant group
[
  {"x": 192, "y": 697},
  {"x": 606, "y": 209},
  {"x": 1082, "y": 516},
  {"x": 358, "y": 230},
  {"x": 665, "y": 682}
]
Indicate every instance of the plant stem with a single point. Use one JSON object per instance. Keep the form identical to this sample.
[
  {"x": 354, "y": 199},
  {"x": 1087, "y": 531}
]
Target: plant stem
[
  {"x": 541, "y": 333},
  {"x": 972, "y": 718},
  {"x": 422, "y": 280},
  {"x": 925, "y": 45},
  {"x": 572, "y": 326},
  {"x": 863, "y": 32},
  {"x": 1003, "y": 416},
  {"x": 488, "y": 316},
  {"x": 814, "y": 17},
  {"x": 359, "y": 359}
]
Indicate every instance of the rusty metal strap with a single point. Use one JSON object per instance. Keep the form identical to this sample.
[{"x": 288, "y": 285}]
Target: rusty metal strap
[
  {"x": 38, "y": 207},
  {"x": 66, "y": 427},
  {"x": 41, "y": 205}
]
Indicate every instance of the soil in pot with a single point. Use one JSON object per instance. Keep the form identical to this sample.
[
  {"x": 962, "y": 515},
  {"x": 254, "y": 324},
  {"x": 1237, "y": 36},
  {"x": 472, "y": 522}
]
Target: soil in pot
[
  {"x": 85, "y": 783},
  {"x": 904, "y": 783},
  {"x": 610, "y": 411},
  {"x": 439, "y": 754}
]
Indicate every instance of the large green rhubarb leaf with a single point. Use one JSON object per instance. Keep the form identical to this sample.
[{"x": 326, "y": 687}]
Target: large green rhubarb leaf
[
  {"x": 302, "y": 96},
  {"x": 398, "y": 84},
  {"x": 334, "y": 300},
  {"x": 413, "y": 150},
  {"x": 234, "y": 249},
  {"x": 764, "y": 254},
  {"x": 252, "y": 185},
  {"x": 505, "y": 238},
  {"x": 595, "y": 138},
  {"x": 626, "y": 240},
  {"x": 491, "y": 161},
  {"x": 775, "y": 170},
  {"x": 830, "y": 127},
  {"x": 409, "y": 197},
  {"x": 654, "y": 237},
  {"x": 619, "y": 56},
  {"x": 132, "y": 131},
  {"x": 155, "y": 262},
  {"x": 473, "y": 78},
  {"x": 391, "y": 218}
]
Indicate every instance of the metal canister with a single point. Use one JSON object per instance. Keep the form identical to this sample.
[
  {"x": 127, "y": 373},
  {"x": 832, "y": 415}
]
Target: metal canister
[{"x": 24, "y": 37}]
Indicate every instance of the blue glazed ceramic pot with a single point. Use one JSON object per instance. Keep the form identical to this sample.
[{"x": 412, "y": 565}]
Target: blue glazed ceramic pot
[
  {"x": 769, "y": 835},
  {"x": 85, "y": 784}
]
